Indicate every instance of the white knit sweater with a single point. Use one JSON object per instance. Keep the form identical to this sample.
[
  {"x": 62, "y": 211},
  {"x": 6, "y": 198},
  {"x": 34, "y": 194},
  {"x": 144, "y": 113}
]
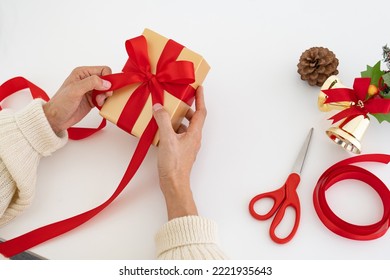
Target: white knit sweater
[
  {"x": 188, "y": 238},
  {"x": 26, "y": 137}
]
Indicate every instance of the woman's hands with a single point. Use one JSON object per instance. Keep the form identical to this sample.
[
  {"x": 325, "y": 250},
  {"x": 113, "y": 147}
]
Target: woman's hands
[
  {"x": 176, "y": 156},
  {"x": 73, "y": 100},
  {"x": 177, "y": 151}
]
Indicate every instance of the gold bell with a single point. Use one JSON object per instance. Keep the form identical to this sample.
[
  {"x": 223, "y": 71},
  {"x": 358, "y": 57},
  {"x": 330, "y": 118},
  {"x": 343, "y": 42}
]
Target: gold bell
[
  {"x": 332, "y": 82},
  {"x": 349, "y": 133}
]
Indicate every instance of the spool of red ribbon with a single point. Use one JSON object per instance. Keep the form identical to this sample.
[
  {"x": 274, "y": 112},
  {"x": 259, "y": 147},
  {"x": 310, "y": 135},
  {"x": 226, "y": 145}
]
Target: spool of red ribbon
[{"x": 343, "y": 170}]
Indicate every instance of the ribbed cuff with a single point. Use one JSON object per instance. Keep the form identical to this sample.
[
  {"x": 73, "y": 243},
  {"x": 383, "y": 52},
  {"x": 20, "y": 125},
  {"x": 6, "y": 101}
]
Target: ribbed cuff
[
  {"x": 184, "y": 231},
  {"x": 35, "y": 127}
]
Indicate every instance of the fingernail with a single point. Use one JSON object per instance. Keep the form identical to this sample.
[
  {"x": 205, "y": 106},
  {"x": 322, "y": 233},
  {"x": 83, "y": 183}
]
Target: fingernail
[
  {"x": 100, "y": 99},
  {"x": 157, "y": 107},
  {"x": 106, "y": 84}
]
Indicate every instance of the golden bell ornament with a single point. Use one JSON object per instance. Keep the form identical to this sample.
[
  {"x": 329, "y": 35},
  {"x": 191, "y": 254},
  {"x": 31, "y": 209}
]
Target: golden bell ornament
[
  {"x": 349, "y": 133},
  {"x": 332, "y": 82}
]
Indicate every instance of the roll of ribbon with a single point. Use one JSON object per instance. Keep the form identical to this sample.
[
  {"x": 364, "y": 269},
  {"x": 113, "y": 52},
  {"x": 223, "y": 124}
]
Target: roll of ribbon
[{"x": 343, "y": 170}]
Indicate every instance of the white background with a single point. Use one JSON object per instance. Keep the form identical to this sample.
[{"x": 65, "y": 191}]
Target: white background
[{"x": 259, "y": 113}]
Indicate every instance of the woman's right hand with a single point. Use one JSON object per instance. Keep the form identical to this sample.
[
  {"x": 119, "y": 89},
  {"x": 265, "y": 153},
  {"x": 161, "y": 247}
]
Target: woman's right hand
[{"x": 176, "y": 155}]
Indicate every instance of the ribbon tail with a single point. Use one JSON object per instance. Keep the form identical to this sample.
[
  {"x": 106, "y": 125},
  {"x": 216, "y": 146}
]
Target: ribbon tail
[
  {"x": 19, "y": 83},
  {"x": 349, "y": 112},
  {"x": 26, "y": 241},
  {"x": 133, "y": 108},
  {"x": 79, "y": 133}
]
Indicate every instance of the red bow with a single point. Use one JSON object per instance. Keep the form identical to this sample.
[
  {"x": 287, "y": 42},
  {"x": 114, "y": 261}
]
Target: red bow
[
  {"x": 171, "y": 75},
  {"x": 360, "y": 105}
]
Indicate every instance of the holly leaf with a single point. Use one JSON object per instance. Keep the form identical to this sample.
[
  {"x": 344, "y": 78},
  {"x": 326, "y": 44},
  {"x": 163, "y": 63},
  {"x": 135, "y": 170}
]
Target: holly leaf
[
  {"x": 373, "y": 72},
  {"x": 386, "y": 78},
  {"x": 382, "y": 117},
  {"x": 385, "y": 93}
]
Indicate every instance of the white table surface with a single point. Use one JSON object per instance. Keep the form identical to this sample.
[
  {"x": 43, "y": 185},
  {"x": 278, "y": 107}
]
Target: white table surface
[{"x": 259, "y": 112}]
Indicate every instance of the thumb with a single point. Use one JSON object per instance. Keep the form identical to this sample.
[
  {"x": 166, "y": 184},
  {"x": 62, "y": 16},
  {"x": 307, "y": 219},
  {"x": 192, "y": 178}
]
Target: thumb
[
  {"x": 163, "y": 120},
  {"x": 91, "y": 83}
]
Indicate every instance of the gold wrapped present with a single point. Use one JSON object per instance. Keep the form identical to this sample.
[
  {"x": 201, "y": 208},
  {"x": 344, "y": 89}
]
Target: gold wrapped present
[{"x": 114, "y": 106}]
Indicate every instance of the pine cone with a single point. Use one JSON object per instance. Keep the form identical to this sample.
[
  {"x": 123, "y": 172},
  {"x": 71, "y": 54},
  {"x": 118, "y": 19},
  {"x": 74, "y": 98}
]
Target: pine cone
[{"x": 317, "y": 64}]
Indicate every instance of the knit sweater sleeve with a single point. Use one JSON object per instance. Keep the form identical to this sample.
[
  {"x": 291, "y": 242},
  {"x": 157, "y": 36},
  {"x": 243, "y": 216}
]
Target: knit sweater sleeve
[
  {"x": 25, "y": 137},
  {"x": 188, "y": 238}
]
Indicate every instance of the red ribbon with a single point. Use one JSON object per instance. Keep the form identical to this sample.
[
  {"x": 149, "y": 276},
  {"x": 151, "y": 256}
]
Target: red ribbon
[
  {"x": 357, "y": 96},
  {"x": 343, "y": 170},
  {"x": 171, "y": 75},
  {"x": 19, "y": 83}
]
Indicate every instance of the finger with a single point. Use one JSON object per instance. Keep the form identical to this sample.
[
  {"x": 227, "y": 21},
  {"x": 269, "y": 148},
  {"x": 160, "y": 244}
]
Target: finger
[
  {"x": 199, "y": 117},
  {"x": 199, "y": 100},
  {"x": 101, "y": 98},
  {"x": 163, "y": 121},
  {"x": 189, "y": 114},
  {"x": 182, "y": 128},
  {"x": 105, "y": 70},
  {"x": 88, "y": 84},
  {"x": 86, "y": 71}
]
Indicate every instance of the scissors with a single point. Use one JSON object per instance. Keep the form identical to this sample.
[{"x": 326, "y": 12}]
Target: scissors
[{"x": 284, "y": 197}]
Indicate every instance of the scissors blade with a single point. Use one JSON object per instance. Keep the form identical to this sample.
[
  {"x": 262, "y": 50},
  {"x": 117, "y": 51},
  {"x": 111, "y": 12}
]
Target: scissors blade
[
  {"x": 26, "y": 255},
  {"x": 297, "y": 168}
]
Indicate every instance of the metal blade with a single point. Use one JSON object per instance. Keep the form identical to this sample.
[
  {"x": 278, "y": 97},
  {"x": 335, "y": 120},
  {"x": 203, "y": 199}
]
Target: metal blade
[
  {"x": 27, "y": 255},
  {"x": 297, "y": 168}
]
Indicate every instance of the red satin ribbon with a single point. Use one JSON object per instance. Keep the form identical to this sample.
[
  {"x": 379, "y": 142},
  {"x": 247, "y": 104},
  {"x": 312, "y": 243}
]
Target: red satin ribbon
[
  {"x": 19, "y": 83},
  {"x": 171, "y": 75},
  {"x": 357, "y": 95},
  {"x": 343, "y": 170}
]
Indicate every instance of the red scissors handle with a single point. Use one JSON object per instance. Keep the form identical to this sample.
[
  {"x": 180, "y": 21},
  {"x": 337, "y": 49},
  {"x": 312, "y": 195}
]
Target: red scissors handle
[
  {"x": 279, "y": 217},
  {"x": 284, "y": 197},
  {"x": 277, "y": 196}
]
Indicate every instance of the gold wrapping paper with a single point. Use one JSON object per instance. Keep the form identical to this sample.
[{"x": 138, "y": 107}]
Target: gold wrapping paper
[{"x": 176, "y": 108}]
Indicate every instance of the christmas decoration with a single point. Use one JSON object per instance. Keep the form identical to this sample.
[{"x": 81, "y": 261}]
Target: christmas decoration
[
  {"x": 317, "y": 64},
  {"x": 370, "y": 95}
]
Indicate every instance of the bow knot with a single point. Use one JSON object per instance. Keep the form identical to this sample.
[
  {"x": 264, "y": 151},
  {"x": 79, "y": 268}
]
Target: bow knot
[
  {"x": 149, "y": 76},
  {"x": 360, "y": 104}
]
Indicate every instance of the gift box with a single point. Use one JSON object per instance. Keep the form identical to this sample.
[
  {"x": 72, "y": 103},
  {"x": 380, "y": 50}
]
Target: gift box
[{"x": 175, "y": 104}]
